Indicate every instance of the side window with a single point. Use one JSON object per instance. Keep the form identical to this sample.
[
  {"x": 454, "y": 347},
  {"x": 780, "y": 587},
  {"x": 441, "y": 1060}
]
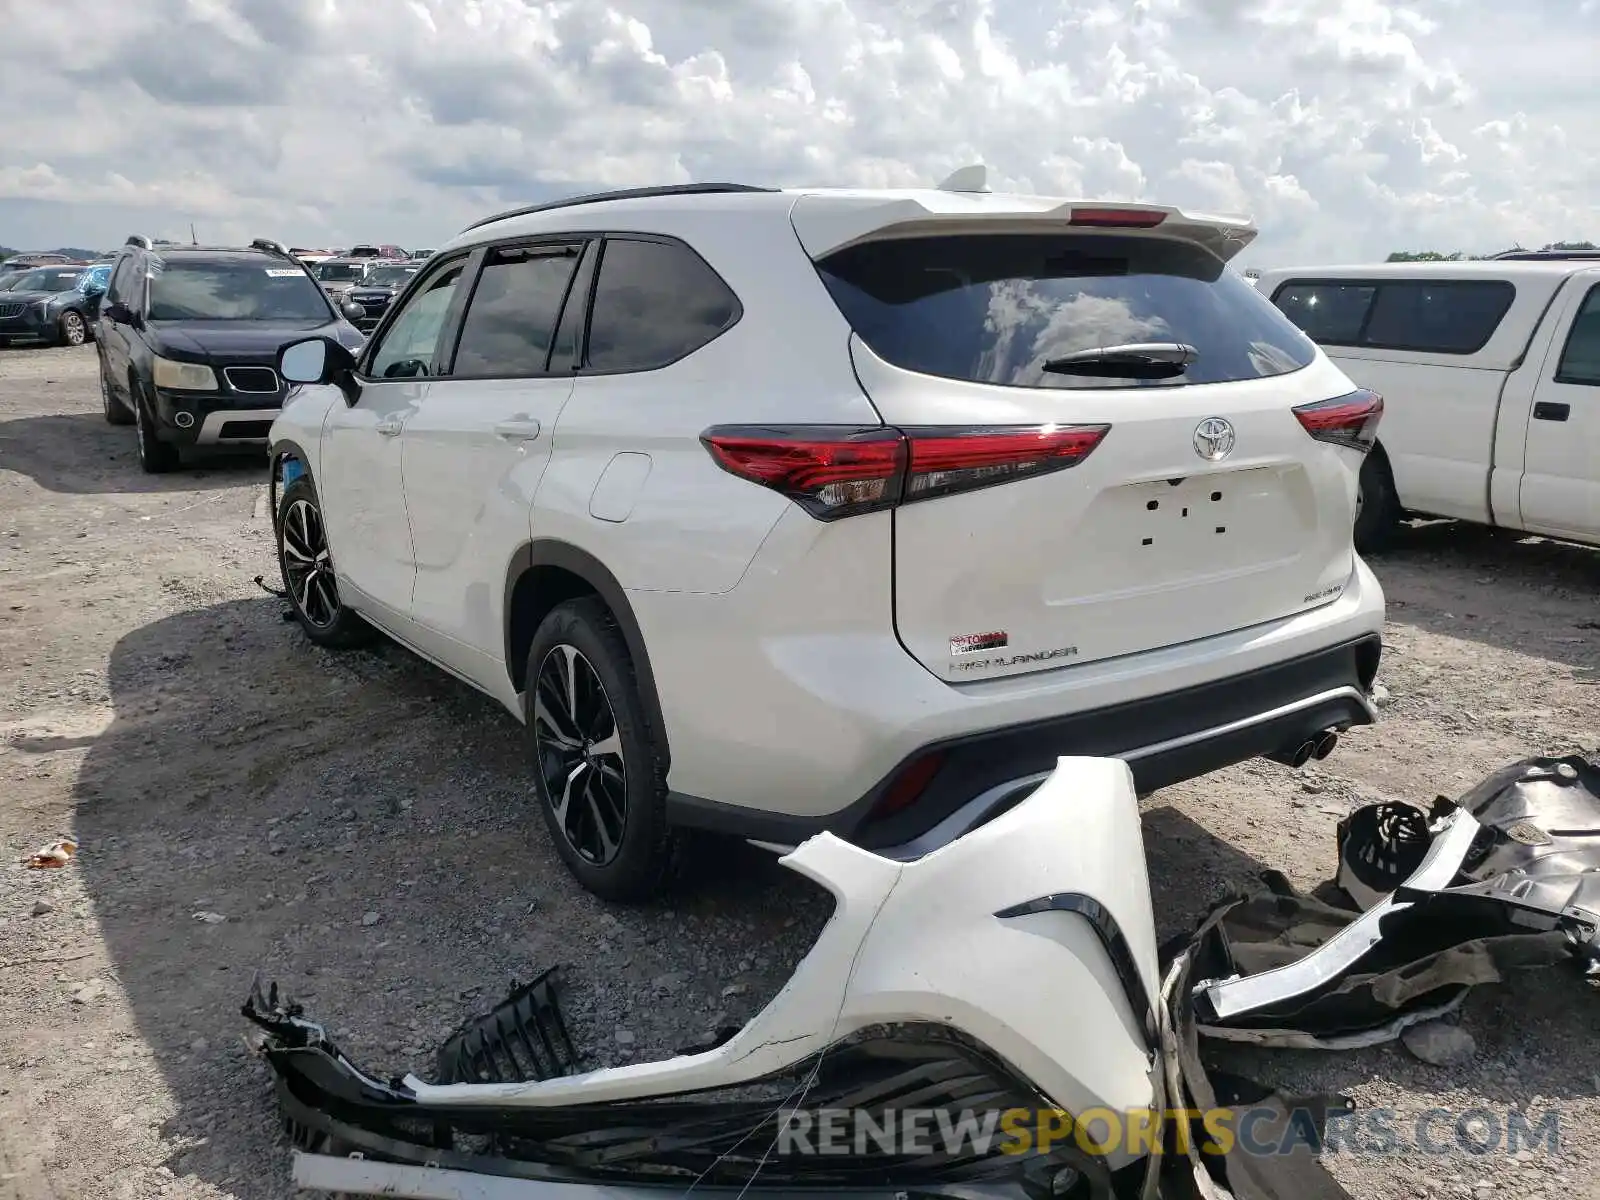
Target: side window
[
  {"x": 1443, "y": 317},
  {"x": 654, "y": 303},
  {"x": 408, "y": 344},
  {"x": 118, "y": 288},
  {"x": 1580, "y": 357},
  {"x": 511, "y": 318},
  {"x": 1330, "y": 313}
]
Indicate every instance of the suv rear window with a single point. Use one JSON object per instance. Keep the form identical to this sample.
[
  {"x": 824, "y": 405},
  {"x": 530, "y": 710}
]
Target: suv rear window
[
  {"x": 994, "y": 308},
  {"x": 1429, "y": 316}
]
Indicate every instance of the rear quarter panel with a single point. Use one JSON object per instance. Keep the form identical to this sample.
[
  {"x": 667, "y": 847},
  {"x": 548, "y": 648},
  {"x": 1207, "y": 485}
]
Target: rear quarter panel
[{"x": 691, "y": 526}]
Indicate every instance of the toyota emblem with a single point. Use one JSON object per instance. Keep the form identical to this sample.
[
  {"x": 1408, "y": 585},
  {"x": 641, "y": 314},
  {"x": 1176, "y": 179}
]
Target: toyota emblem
[{"x": 1213, "y": 439}]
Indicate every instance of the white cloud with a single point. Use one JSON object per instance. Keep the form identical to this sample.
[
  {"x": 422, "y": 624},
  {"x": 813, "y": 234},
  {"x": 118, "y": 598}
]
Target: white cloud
[{"x": 1348, "y": 128}]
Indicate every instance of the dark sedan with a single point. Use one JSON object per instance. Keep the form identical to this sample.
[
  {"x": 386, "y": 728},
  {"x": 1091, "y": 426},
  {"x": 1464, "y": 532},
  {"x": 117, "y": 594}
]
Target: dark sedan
[{"x": 56, "y": 306}]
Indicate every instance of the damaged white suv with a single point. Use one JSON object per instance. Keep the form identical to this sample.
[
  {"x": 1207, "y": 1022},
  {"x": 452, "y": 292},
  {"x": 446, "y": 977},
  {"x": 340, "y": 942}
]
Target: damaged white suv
[{"x": 776, "y": 511}]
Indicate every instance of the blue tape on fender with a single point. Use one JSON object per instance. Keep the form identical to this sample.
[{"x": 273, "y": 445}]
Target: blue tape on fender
[{"x": 293, "y": 468}]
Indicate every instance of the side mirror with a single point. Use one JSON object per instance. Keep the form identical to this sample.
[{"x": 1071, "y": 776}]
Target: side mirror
[
  {"x": 120, "y": 313},
  {"x": 314, "y": 360},
  {"x": 353, "y": 311}
]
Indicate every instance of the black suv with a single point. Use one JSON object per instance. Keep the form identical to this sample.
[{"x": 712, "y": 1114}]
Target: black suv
[
  {"x": 188, "y": 340},
  {"x": 380, "y": 285}
]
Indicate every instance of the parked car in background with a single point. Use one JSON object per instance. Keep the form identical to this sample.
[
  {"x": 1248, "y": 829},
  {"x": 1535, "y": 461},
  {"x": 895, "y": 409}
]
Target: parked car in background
[
  {"x": 18, "y": 263},
  {"x": 338, "y": 275},
  {"x": 188, "y": 342},
  {"x": 56, "y": 306},
  {"x": 421, "y": 254},
  {"x": 1490, "y": 374},
  {"x": 774, "y": 512},
  {"x": 381, "y": 284},
  {"x": 383, "y": 251}
]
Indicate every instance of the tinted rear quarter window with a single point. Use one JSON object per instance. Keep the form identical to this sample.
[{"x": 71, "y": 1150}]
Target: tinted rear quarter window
[
  {"x": 654, "y": 303},
  {"x": 1444, "y": 316},
  {"x": 1328, "y": 312},
  {"x": 1447, "y": 317},
  {"x": 1580, "y": 357},
  {"x": 511, "y": 317},
  {"x": 994, "y": 308}
]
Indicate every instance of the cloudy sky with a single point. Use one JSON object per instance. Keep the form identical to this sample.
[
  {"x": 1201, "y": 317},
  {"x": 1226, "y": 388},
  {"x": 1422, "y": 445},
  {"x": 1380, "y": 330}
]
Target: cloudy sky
[{"x": 1347, "y": 128}]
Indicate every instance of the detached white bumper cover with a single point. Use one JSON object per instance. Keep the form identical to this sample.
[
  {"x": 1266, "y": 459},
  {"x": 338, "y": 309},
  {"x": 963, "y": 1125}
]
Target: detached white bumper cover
[{"x": 1014, "y": 967}]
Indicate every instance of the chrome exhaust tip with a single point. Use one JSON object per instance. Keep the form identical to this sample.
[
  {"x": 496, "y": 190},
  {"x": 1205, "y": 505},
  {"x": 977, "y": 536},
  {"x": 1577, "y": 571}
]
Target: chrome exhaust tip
[{"x": 1325, "y": 744}]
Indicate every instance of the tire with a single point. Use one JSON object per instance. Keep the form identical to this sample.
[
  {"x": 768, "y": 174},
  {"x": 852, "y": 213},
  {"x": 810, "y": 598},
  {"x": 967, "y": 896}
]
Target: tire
[
  {"x": 580, "y": 638},
  {"x": 155, "y": 456},
  {"x": 1377, "y": 505},
  {"x": 71, "y": 329},
  {"x": 307, "y": 570},
  {"x": 116, "y": 412}
]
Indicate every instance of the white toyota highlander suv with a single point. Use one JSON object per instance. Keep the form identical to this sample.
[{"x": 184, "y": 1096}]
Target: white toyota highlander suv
[{"x": 777, "y": 511}]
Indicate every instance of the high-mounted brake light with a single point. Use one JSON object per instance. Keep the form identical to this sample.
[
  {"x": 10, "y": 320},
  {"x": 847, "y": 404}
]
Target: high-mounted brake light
[
  {"x": 1118, "y": 218},
  {"x": 834, "y": 471},
  {"x": 1350, "y": 420}
]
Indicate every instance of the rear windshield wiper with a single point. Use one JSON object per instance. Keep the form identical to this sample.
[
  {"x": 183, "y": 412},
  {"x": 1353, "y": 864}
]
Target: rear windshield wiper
[{"x": 1135, "y": 360}]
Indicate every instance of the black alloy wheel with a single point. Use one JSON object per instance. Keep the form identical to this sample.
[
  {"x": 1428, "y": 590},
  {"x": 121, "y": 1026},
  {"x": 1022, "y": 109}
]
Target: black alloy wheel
[
  {"x": 307, "y": 566},
  {"x": 578, "y": 748},
  {"x": 155, "y": 456},
  {"x": 308, "y": 574},
  {"x": 116, "y": 412}
]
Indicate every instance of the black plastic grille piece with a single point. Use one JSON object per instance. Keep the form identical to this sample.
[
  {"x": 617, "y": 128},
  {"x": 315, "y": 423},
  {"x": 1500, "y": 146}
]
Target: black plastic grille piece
[{"x": 521, "y": 1040}]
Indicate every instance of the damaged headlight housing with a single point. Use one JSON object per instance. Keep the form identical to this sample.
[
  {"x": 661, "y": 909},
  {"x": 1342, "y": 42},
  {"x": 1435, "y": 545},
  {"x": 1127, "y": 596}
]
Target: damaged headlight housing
[{"x": 182, "y": 376}]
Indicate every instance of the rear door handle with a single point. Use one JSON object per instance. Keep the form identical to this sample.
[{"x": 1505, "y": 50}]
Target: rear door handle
[
  {"x": 1547, "y": 410},
  {"x": 389, "y": 426},
  {"x": 518, "y": 429}
]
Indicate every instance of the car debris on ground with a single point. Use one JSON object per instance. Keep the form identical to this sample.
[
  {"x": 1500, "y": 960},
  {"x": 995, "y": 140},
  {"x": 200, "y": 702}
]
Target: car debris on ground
[{"x": 1424, "y": 907}]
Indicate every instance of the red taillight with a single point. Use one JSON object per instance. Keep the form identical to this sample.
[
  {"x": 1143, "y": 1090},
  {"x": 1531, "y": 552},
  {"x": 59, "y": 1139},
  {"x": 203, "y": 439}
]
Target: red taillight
[
  {"x": 835, "y": 472},
  {"x": 1345, "y": 420},
  {"x": 944, "y": 461},
  {"x": 827, "y": 470},
  {"x": 1118, "y": 218}
]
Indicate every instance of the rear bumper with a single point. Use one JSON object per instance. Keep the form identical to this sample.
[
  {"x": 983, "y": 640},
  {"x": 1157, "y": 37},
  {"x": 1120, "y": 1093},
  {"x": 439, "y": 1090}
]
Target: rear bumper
[
  {"x": 774, "y": 737},
  {"x": 1165, "y": 739}
]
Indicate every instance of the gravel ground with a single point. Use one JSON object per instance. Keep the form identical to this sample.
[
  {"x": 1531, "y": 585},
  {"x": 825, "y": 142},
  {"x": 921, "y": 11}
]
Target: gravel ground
[{"x": 364, "y": 825}]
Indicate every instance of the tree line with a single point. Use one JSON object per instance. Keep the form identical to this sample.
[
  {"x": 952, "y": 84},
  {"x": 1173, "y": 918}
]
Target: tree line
[{"x": 1463, "y": 256}]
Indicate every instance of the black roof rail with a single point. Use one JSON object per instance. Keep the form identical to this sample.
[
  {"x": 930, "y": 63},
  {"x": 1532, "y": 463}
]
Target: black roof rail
[
  {"x": 139, "y": 240},
  {"x": 1544, "y": 255},
  {"x": 642, "y": 193},
  {"x": 270, "y": 246}
]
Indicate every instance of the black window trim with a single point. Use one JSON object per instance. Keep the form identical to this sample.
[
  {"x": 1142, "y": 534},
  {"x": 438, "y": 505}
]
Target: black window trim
[
  {"x": 1377, "y": 284},
  {"x": 445, "y": 360},
  {"x": 587, "y": 271},
  {"x": 467, "y": 259},
  {"x": 1566, "y": 343},
  {"x": 583, "y": 368}
]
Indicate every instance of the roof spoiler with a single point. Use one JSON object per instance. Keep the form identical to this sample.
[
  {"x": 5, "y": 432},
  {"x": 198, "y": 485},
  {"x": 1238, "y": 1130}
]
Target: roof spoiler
[{"x": 827, "y": 222}]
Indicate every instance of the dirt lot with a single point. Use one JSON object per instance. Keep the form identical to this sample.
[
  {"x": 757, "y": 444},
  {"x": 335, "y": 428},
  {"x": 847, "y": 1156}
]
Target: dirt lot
[{"x": 365, "y": 826}]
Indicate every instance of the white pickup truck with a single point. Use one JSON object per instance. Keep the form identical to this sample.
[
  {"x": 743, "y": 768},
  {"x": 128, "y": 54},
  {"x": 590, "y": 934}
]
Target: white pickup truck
[{"x": 1490, "y": 375}]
